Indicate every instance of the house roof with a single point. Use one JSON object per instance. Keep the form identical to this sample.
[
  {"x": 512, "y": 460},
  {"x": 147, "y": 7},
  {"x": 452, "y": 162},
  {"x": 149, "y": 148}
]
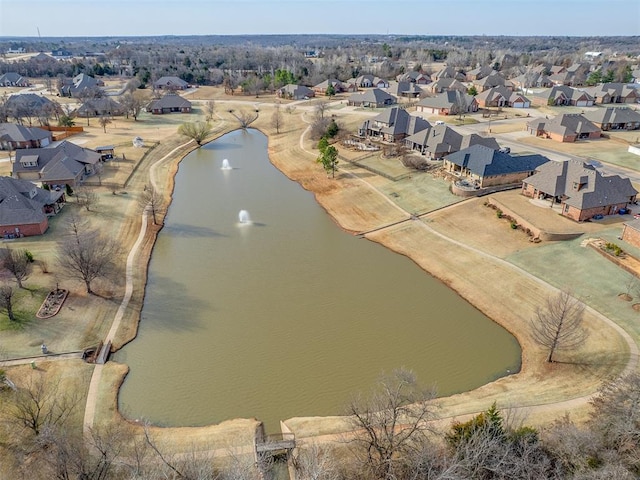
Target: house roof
[
  {"x": 396, "y": 121},
  {"x": 448, "y": 84},
  {"x": 28, "y": 100},
  {"x": 337, "y": 84},
  {"x": 500, "y": 91},
  {"x": 413, "y": 76},
  {"x": 492, "y": 81},
  {"x": 170, "y": 81},
  {"x": 633, "y": 224},
  {"x": 482, "y": 71},
  {"x": 581, "y": 185},
  {"x": 375, "y": 95},
  {"x": 404, "y": 88},
  {"x": 613, "y": 115},
  {"x": 486, "y": 162},
  {"x": 19, "y": 133},
  {"x": 614, "y": 89},
  {"x": 21, "y": 202},
  {"x": 568, "y": 92},
  {"x": 62, "y": 162},
  {"x": 80, "y": 82},
  {"x": 437, "y": 139},
  {"x": 447, "y": 72},
  {"x": 446, "y": 99},
  {"x": 475, "y": 139},
  {"x": 12, "y": 77},
  {"x": 170, "y": 100},
  {"x": 566, "y": 124},
  {"x": 100, "y": 105},
  {"x": 296, "y": 90}
]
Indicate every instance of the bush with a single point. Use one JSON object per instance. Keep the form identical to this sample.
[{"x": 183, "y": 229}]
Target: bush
[
  {"x": 332, "y": 129},
  {"x": 499, "y": 214},
  {"x": 69, "y": 189},
  {"x": 514, "y": 225},
  {"x": 29, "y": 256},
  {"x": 614, "y": 249}
]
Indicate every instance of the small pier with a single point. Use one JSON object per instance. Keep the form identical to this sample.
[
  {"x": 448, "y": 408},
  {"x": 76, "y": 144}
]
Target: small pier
[{"x": 276, "y": 443}]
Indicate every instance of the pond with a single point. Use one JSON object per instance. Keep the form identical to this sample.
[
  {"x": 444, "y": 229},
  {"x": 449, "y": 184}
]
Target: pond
[{"x": 276, "y": 312}]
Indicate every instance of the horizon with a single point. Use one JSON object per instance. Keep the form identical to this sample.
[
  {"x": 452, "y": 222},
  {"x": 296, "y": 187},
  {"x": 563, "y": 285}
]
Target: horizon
[{"x": 547, "y": 18}]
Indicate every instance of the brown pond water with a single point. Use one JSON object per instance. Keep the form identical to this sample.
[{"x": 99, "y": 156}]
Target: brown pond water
[{"x": 287, "y": 315}]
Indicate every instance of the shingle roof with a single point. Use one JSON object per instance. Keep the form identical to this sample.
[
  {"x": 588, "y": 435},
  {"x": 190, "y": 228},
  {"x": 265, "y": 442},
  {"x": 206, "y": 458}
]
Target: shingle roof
[
  {"x": 396, "y": 121},
  {"x": 16, "y": 204},
  {"x": 613, "y": 115},
  {"x": 58, "y": 163},
  {"x": 437, "y": 139},
  {"x": 27, "y": 100},
  {"x": 486, "y": 162},
  {"x": 565, "y": 124},
  {"x": 170, "y": 100},
  {"x": 170, "y": 81},
  {"x": 12, "y": 78},
  {"x": 446, "y": 99},
  {"x": 582, "y": 185},
  {"x": 375, "y": 95},
  {"x": 20, "y": 133}
]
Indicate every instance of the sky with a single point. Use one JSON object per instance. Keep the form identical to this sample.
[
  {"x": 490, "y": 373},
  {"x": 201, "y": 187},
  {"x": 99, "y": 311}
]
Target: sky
[{"x": 70, "y": 18}]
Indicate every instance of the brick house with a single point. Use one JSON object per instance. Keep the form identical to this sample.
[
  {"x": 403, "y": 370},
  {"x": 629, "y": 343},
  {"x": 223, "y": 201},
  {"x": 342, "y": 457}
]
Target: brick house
[
  {"x": 567, "y": 127},
  {"x": 614, "y": 118},
  {"x": 170, "y": 103},
  {"x": 448, "y": 103},
  {"x": 631, "y": 232},
  {"x": 14, "y": 136},
  {"x": 374, "y": 98},
  {"x": 25, "y": 209},
  {"x": 580, "y": 189},
  {"x": 392, "y": 125},
  {"x": 486, "y": 167},
  {"x": 64, "y": 164}
]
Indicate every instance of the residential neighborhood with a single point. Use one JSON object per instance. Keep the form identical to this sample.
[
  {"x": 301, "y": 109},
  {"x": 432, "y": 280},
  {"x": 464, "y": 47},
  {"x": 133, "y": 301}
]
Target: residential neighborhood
[{"x": 279, "y": 207}]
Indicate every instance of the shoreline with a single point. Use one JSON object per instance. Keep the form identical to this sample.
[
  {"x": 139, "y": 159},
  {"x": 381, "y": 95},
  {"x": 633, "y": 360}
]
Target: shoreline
[{"x": 307, "y": 174}]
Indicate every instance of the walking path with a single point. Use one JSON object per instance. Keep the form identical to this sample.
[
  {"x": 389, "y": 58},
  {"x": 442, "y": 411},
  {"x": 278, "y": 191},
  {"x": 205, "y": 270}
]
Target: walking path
[
  {"x": 92, "y": 394},
  {"x": 634, "y": 351}
]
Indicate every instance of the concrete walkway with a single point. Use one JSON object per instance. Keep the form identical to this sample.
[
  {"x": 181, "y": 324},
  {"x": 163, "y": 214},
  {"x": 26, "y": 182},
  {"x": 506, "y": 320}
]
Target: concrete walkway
[
  {"x": 634, "y": 351},
  {"x": 92, "y": 394}
]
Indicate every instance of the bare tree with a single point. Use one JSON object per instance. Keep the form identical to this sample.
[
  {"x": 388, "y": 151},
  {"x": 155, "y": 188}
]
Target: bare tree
[
  {"x": 17, "y": 262},
  {"x": 6, "y": 300},
  {"x": 277, "y": 119},
  {"x": 315, "y": 463},
  {"x": 86, "y": 255},
  {"x": 558, "y": 326},
  {"x": 133, "y": 104},
  {"x": 197, "y": 131},
  {"x": 321, "y": 108},
  {"x": 104, "y": 120},
  {"x": 390, "y": 423},
  {"x": 41, "y": 403},
  {"x": 87, "y": 197},
  {"x": 210, "y": 109},
  {"x": 616, "y": 419},
  {"x": 150, "y": 199},
  {"x": 245, "y": 117}
]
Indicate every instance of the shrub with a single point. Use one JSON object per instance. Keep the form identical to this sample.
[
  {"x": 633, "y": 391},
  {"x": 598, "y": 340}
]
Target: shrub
[
  {"x": 613, "y": 248},
  {"x": 29, "y": 256},
  {"x": 499, "y": 214},
  {"x": 514, "y": 224}
]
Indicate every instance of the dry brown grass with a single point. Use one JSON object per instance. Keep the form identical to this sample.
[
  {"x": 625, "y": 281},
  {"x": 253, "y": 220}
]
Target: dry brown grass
[{"x": 355, "y": 201}]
